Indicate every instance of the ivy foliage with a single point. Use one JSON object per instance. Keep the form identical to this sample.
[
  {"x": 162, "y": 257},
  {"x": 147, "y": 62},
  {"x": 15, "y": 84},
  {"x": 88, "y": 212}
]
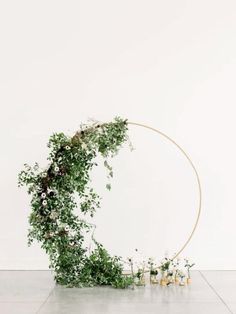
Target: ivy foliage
[{"x": 53, "y": 222}]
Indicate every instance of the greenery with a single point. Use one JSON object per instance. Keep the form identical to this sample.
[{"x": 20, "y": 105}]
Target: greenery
[
  {"x": 165, "y": 265},
  {"x": 188, "y": 266},
  {"x": 53, "y": 201},
  {"x": 152, "y": 267}
]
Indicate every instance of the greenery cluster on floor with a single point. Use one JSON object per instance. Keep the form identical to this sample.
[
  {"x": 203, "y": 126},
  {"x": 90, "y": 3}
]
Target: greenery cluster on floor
[{"x": 53, "y": 191}]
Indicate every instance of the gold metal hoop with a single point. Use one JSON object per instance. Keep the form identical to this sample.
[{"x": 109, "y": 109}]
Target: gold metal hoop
[{"x": 199, "y": 207}]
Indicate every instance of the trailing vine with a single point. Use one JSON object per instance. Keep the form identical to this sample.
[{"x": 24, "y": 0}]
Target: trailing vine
[{"x": 53, "y": 192}]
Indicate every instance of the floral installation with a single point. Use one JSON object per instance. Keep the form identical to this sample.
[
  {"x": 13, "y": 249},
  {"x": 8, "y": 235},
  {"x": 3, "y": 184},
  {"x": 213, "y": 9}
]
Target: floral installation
[
  {"x": 62, "y": 233},
  {"x": 52, "y": 220}
]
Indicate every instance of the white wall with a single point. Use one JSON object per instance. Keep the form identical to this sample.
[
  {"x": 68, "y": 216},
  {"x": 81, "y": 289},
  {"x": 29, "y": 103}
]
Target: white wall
[{"x": 169, "y": 64}]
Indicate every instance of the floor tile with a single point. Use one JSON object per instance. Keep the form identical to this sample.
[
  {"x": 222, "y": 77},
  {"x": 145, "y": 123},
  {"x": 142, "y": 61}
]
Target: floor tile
[
  {"x": 232, "y": 307},
  {"x": 224, "y": 282},
  {"x": 25, "y": 286},
  {"x": 141, "y": 308},
  {"x": 25, "y": 292},
  {"x": 19, "y": 307}
]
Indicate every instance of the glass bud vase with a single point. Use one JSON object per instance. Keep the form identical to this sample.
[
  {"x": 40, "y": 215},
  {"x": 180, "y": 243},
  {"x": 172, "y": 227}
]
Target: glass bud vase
[
  {"x": 176, "y": 277},
  {"x": 153, "y": 276},
  {"x": 182, "y": 283},
  {"x": 163, "y": 279},
  {"x": 140, "y": 278},
  {"x": 170, "y": 278},
  {"x": 188, "y": 278}
]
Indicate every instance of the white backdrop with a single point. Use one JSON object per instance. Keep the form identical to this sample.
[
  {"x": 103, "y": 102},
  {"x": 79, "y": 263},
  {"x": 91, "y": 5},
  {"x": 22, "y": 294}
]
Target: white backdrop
[{"x": 169, "y": 64}]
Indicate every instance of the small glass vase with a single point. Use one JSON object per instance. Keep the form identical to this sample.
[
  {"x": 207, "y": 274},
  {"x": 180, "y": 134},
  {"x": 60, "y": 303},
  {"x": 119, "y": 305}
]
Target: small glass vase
[
  {"x": 163, "y": 281},
  {"x": 153, "y": 277},
  {"x": 140, "y": 279},
  {"x": 182, "y": 283}
]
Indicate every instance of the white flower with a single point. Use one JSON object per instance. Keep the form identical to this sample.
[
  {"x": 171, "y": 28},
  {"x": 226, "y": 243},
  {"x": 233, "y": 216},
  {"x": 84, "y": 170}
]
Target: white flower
[
  {"x": 44, "y": 174},
  {"x": 45, "y": 203},
  {"x": 67, "y": 228},
  {"x": 36, "y": 167},
  {"x": 53, "y": 215},
  {"x": 181, "y": 274},
  {"x": 49, "y": 235},
  {"x": 84, "y": 145},
  {"x": 67, "y": 147},
  {"x": 56, "y": 168},
  {"x": 43, "y": 195},
  {"x": 130, "y": 259}
]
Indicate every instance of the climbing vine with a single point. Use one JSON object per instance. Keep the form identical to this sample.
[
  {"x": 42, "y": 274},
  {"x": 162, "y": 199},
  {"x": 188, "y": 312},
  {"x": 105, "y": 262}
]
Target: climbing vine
[{"x": 53, "y": 191}]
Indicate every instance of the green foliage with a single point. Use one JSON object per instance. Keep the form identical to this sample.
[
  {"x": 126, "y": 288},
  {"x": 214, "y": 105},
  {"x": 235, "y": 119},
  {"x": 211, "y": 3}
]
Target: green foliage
[
  {"x": 52, "y": 219},
  {"x": 152, "y": 267},
  {"x": 139, "y": 273},
  {"x": 105, "y": 269},
  {"x": 123, "y": 282},
  {"x": 165, "y": 265}
]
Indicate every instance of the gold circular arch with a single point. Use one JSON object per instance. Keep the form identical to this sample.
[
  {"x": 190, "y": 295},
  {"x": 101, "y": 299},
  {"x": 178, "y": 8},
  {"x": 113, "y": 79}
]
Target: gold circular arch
[{"x": 199, "y": 206}]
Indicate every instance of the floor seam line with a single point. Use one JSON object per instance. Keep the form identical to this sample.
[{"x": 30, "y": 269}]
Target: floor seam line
[
  {"x": 218, "y": 295},
  {"x": 45, "y": 301}
]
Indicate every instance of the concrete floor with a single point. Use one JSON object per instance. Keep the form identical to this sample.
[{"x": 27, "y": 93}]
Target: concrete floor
[{"x": 29, "y": 292}]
